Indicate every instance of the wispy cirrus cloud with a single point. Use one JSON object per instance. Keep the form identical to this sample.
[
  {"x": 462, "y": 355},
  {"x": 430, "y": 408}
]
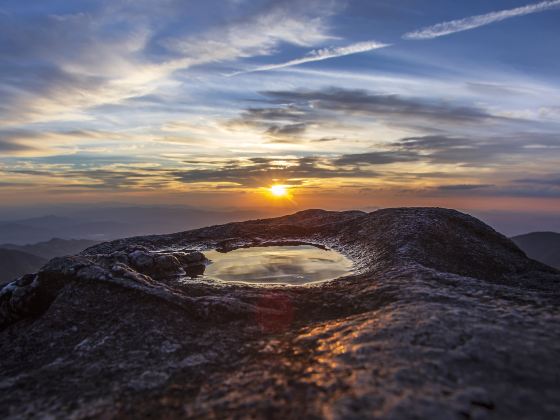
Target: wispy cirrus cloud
[
  {"x": 60, "y": 67},
  {"x": 320, "y": 55},
  {"x": 472, "y": 22}
]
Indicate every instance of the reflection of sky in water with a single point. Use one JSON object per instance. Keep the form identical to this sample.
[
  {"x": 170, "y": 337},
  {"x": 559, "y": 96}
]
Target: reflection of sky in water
[{"x": 277, "y": 264}]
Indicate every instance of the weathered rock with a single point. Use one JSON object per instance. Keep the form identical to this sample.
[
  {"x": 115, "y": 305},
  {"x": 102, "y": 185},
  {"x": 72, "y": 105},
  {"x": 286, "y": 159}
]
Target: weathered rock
[
  {"x": 444, "y": 318},
  {"x": 33, "y": 293}
]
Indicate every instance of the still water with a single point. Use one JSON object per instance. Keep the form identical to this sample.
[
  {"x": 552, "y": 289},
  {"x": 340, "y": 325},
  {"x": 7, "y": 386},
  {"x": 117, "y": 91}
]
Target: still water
[{"x": 277, "y": 264}]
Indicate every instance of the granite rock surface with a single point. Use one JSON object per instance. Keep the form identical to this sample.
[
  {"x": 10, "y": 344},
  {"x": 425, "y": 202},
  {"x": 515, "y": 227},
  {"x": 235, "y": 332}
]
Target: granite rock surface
[{"x": 443, "y": 318}]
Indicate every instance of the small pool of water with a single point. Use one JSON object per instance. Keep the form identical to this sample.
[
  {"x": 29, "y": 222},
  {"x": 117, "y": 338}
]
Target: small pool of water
[{"x": 277, "y": 264}]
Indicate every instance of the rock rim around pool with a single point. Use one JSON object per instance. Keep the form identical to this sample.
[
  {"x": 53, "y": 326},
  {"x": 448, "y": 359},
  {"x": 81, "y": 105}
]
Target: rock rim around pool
[{"x": 442, "y": 318}]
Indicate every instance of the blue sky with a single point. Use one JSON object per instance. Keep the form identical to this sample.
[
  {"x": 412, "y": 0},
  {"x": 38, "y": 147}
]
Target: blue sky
[{"x": 348, "y": 103}]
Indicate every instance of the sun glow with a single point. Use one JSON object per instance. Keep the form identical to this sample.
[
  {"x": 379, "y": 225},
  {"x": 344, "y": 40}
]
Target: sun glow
[{"x": 279, "y": 190}]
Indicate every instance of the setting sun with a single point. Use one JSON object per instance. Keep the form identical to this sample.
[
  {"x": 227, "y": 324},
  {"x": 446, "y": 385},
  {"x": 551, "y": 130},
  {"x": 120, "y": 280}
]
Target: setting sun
[{"x": 279, "y": 190}]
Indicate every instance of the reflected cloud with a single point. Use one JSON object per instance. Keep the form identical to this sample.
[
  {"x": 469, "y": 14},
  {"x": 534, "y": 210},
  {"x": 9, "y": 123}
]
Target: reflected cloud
[{"x": 277, "y": 264}]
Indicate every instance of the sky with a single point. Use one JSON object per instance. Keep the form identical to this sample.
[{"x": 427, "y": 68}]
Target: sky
[{"x": 349, "y": 104}]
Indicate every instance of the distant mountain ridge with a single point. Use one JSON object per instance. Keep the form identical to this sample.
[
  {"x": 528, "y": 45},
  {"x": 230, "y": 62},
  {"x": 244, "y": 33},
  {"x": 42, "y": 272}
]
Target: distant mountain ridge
[
  {"x": 107, "y": 223},
  {"x": 541, "y": 246},
  {"x": 14, "y": 263},
  {"x": 56, "y": 247},
  {"x": 16, "y": 260}
]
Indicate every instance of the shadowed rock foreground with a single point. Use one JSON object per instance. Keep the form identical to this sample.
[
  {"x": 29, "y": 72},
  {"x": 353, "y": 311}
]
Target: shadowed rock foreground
[{"x": 443, "y": 318}]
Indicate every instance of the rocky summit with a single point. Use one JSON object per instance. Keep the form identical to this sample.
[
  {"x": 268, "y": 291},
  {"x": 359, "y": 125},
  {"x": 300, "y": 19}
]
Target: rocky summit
[{"x": 442, "y": 318}]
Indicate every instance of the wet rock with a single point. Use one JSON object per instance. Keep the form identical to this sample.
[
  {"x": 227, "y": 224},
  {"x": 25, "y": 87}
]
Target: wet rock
[
  {"x": 168, "y": 263},
  {"x": 142, "y": 260},
  {"x": 443, "y": 318}
]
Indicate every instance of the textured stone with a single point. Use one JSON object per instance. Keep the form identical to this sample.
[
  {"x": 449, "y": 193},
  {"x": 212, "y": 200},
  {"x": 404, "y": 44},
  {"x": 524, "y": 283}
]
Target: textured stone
[{"x": 443, "y": 318}]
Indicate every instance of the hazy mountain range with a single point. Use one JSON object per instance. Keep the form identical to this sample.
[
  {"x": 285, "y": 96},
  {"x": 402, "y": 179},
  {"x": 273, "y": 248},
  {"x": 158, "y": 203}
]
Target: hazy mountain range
[
  {"x": 541, "y": 246},
  {"x": 106, "y": 223},
  {"x": 16, "y": 260},
  {"x": 14, "y": 263}
]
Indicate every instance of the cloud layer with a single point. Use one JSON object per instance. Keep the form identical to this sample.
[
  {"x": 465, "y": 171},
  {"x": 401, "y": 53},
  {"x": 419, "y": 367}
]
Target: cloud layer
[
  {"x": 131, "y": 98},
  {"x": 472, "y": 22},
  {"x": 320, "y": 55}
]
